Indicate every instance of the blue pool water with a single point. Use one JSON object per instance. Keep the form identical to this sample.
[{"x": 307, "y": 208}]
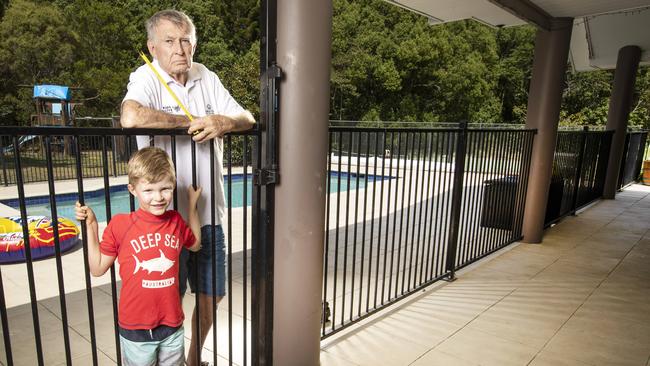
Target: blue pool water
[{"x": 120, "y": 201}]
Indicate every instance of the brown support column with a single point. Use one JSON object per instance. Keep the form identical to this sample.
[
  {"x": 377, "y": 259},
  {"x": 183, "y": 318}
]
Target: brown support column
[
  {"x": 627, "y": 65},
  {"x": 304, "y": 31},
  {"x": 544, "y": 99}
]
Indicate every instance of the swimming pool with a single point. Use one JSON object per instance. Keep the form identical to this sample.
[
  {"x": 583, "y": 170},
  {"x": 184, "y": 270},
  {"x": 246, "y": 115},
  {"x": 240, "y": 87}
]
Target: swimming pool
[{"x": 120, "y": 201}]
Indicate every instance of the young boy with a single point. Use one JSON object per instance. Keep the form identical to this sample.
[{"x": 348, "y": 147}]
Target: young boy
[{"x": 147, "y": 244}]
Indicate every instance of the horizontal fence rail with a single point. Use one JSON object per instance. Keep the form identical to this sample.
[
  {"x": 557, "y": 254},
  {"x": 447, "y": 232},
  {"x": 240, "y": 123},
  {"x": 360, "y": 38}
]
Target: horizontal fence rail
[
  {"x": 391, "y": 204},
  {"x": 69, "y": 317}
]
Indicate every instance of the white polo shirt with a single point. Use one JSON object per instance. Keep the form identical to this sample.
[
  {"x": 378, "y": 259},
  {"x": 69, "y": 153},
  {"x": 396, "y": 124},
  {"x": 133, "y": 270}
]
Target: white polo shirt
[{"x": 203, "y": 94}]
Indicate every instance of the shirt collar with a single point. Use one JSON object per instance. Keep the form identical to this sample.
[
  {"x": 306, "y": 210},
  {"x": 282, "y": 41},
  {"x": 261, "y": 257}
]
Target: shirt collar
[{"x": 192, "y": 76}]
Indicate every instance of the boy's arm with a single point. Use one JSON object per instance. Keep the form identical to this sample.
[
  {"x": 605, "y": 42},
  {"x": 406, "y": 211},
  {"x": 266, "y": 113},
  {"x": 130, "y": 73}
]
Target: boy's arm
[
  {"x": 193, "y": 219},
  {"x": 97, "y": 262}
]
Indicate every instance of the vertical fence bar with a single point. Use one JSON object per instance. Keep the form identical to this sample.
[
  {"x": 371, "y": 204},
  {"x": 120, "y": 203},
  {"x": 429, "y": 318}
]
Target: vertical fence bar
[
  {"x": 229, "y": 264},
  {"x": 89, "y": 293},
  {"x": 245, "y": 252},
  {"x": 441, "y": 217},
  {"x": 382, "y": 151},
  {"x": 459, "y": 167},
  {"x": 213, "y": 250},
  {"x": 57, "y": 251},
  {"x": 474, "y": 195},
  {"x": 336, "y": 228},
  {"x": 347, "y": 216},
  {"x": 381, "y": 206},
  {"x": 107, "y": 200},
  {"x": 5, "y": 324},
  {"x": 372, "y": 225},
  {"x": 356, "y": 220},
  {"x": 417, "y": 217},
  {"x": 397, "y": 174},
  {"x": 325, "y": 309},
  {"x": 431, "y": 188},
  {"x": 28, "y": 254},
  {"x": 578, "y": 170},
  {"x": 4, "y": 163},
  {"x": 363, "y": 229}
]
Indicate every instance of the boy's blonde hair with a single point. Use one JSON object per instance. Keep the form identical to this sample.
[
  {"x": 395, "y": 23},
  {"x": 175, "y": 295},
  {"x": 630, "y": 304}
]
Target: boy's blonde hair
[{"x": 152, "y": 164}]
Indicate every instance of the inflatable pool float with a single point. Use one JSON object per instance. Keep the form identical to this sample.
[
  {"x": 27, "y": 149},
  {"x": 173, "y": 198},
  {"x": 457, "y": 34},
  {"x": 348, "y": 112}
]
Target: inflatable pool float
[{"x": 41, "y": 237}]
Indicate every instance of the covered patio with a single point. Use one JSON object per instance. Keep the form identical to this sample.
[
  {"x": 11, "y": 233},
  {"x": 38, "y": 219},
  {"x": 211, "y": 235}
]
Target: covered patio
[{"x": 581, "y": 298}]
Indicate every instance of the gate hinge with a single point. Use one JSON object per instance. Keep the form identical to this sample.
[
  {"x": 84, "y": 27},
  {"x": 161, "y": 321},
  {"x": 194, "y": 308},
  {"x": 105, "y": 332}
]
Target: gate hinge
[{"x": 263, "y": 177}]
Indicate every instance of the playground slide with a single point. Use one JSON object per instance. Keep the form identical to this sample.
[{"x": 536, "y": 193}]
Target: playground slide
[{"x": 21, "y": 140}]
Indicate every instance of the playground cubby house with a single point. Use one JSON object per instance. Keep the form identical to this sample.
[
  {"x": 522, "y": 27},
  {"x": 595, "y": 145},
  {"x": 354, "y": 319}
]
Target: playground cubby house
[{"x": 54, "y": 107}]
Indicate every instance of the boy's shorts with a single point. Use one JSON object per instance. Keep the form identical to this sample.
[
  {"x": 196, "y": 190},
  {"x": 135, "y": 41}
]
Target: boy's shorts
[
  {"x": 168, "y": 352},
  {"x": 202, "y": 262}
]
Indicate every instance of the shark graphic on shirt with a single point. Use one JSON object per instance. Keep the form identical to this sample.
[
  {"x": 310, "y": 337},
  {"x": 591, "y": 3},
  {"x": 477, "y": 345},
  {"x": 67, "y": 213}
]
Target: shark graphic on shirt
[{"x": 160, "y": 264}]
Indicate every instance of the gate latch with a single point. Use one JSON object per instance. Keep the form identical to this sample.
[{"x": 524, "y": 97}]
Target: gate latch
[{"x": 264, "y": 177}]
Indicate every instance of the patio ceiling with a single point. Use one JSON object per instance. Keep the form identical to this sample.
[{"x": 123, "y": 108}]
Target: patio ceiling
[{"x": 601, "y": 27}]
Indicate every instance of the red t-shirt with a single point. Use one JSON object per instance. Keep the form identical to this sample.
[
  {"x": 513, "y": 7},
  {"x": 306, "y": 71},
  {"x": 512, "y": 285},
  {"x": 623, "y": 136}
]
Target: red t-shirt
[{"x": 147, "y": 248}]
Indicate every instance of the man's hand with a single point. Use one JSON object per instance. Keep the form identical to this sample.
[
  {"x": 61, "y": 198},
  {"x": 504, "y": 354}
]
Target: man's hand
[
  {"x": 209, "y": 127},
  {"x": 217, "y": 125}
]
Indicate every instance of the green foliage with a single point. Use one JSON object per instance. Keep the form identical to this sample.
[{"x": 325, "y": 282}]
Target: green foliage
[
  {"x": 36, "y": 46},
  {"x": 388, "y": 64}
]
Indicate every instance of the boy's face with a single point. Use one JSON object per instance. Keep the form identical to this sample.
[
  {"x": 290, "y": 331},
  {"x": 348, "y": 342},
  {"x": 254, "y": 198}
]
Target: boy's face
[{"x": 153, "y": 197}]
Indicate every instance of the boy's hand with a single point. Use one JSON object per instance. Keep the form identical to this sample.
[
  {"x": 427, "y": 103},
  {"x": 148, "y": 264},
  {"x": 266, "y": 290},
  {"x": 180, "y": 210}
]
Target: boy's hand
[
  {"x": 84, "y": 213},
  {"x": 193, "y": 195}
]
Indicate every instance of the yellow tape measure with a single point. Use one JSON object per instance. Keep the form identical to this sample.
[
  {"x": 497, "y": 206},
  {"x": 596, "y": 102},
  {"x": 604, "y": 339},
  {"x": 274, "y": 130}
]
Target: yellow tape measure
[{"x": 171, "y": 92}]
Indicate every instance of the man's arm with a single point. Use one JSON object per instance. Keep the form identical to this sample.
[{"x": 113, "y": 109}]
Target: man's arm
[
  {"x": 135, "y": 114},
  {"x": 216, "y": 125}
]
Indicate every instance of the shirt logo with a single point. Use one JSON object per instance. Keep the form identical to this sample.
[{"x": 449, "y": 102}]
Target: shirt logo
[
  {"x": 208, "y": 109},
  {"x": 171, "y": 109},
  {"x": 160, "y": 264}
]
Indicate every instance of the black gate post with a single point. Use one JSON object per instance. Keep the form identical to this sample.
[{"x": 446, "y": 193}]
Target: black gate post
[
  {"x": 578, "y": 174},
  {"x": 456, "y": 201},
  {"x": 265, "y": 176}
]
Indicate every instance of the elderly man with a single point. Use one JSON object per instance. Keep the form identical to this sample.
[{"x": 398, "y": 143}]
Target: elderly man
[{"x": 172, "y": 42}]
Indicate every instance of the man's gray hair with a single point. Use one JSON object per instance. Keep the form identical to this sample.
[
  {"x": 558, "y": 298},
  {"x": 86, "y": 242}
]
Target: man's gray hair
[{"x": 177, "y": 17}]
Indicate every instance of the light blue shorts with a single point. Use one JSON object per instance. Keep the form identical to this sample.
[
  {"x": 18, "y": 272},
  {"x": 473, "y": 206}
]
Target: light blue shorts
[{"x": 168, "y": 352}]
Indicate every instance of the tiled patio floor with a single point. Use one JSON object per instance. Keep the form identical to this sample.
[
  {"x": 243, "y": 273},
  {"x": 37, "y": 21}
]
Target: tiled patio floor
[{"x": 582, "y": 297}]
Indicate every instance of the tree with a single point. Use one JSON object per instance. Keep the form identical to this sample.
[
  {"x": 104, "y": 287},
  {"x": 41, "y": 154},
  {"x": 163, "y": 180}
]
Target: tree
[{"x": 36, "y": 46}]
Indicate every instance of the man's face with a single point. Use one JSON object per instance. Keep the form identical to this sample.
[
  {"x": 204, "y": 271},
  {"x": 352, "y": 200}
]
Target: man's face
[{"x": 173, "y": 49}]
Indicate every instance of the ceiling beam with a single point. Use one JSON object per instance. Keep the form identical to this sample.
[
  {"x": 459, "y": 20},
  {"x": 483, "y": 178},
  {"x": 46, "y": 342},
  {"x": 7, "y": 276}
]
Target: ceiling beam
[{"x": 528, "y": 11}]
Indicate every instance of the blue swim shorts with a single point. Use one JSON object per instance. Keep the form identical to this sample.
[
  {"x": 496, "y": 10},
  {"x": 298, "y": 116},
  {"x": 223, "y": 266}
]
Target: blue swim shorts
[{"x": 202, "y": 262}]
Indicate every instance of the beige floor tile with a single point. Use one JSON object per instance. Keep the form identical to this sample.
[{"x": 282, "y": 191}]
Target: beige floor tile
[
  {"x": 53, "y": 349},
  {"x": 590, "y": 271},
  {"x": 601, "y": 340},
  {"x": 327, "y": 359},
  {"x": 102, "y": 360},
  {"x": 437, "y": 358},
  {"x": 460, "y": 302},
  {"x": 521, "y": 264},
  {"x": 546, "y": 358},
  {"x": 532, "y": 314},
  {"x": 487, "y": 349},
  {"x": 376, "y": 346},
  {"x": 418, "y": 325}
]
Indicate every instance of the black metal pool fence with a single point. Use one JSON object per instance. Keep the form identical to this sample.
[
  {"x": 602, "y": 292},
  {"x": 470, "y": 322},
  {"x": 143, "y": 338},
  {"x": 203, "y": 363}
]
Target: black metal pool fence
[
  {"x": 77, "y": 331},
  {"x": 419, "y": 205}
]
